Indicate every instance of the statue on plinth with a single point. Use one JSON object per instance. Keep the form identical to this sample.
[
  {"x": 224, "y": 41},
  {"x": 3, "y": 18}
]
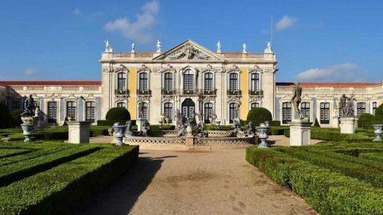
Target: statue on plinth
[
  {"x": 296, "y": 99},
  {"x": 346, "y": 105},
  {"x": 244, "y": 48},
  {"x": 29, "y": 107},
  {"x": 158, "y": 46},
  {"x": 219, "y": 47},
  {"x": 108, "y": 47}
]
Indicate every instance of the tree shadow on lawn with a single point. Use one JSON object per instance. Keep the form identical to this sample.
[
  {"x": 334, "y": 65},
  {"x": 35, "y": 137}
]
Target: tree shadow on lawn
[{"x": 121, "y": 195}]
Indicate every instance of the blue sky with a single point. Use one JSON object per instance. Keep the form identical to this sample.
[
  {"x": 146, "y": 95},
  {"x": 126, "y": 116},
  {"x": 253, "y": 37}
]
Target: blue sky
[{"x": 340, "y": 41}]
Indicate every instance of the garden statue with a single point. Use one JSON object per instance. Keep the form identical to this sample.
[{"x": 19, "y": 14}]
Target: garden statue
[
  {"x": 128, "y": 131},
  {"x": 213, "y": 117},
  {"x": 29, "y": 107},
  {"x": 145, "y": 128},
  {"x": 296, "y": 99},
  {"x": 181, "y": 130},
  {"x": 201, "y": 131},
  {"x": 346, "y": 104}
]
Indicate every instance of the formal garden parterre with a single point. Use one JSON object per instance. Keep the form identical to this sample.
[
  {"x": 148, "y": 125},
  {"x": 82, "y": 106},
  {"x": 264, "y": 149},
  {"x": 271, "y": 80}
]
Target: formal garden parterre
[{"x": 54, "y": 178}]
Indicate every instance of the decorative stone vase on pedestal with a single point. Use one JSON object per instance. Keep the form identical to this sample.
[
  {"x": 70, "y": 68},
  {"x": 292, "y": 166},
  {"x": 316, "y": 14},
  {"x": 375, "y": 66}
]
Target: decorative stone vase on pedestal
[
  {"x": 78, "y": 132},
  {"x": 262, "y": 130},
  {"x": 28, "y": 127},
  {"x": 347, "y": 125},
  {"x": 119, "y": 133},
  {"x": 300, "y": 133},
  {"x": 378, "y": 132}
]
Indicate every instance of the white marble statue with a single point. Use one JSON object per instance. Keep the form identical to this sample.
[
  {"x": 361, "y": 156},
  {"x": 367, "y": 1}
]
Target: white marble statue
[
  {"x": 268, "y": 47},
  {"x": 133, "y": 46},
  {"x": 219, "y": 47},
  {"x": 244, "y": 48},
  {"x": 158, "y": 46},
  {"x": 108, "y": 46}
]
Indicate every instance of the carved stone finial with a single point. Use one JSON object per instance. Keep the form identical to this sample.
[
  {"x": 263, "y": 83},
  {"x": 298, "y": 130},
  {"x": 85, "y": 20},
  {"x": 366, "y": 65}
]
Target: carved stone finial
[
  {"x": 133, "y": 46},
  {"x": 244, "y": 48},
  {"x": 108, "y": 47},
  {"x": 158, "y": 46},
  {"x": 219, "y": 47}
]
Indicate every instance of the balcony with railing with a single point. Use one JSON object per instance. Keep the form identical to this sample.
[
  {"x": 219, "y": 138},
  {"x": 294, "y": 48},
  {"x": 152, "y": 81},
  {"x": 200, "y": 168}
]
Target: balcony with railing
[
  {"x": 144, "y": 92},
  {"x": 234, "y": 92},
  {"x": 190, "y": 92},
  {"x": 256, "y": 92},
  {"x": 210, "y": 92},
  {"x": 121, "y": 92},
  {"x": 167, "y": 92}
]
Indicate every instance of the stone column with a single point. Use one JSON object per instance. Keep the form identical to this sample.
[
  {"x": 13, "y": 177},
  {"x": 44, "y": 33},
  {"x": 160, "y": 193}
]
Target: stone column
[
  {"x": 78, "y": 132},
  {"x": 300, "y": 133}
]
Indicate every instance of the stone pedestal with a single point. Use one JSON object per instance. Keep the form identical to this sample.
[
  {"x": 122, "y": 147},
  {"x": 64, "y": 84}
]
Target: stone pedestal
[
  {"x": 347, "y": 125},
  {"x": 140, "y": 124},
  {"x": 78, "y": 132},
  {"x": 300, "y": 133}
]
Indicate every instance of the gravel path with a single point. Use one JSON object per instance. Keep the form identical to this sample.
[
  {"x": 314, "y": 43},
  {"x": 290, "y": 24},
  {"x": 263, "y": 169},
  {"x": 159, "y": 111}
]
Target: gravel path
[{"x": 192, "y": 182}]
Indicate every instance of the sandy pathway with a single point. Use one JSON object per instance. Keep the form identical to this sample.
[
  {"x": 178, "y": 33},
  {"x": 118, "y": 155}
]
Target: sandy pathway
[{"x": 212, "y": 182}]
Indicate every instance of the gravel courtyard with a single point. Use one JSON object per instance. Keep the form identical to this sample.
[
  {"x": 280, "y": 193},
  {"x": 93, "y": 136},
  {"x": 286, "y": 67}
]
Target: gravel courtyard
[{"x": 195, "y": 182}]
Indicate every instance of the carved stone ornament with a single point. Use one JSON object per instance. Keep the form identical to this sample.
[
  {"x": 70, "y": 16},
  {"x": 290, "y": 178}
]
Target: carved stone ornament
[
  {"x": 166, "y": 68},
  {"x": 144, "y": 68},
  {"x": 121, "y": 98},
  {"x": 236, "y": 99},
  {"x": 188, "y": 52},
  {"x": 120, "y": 68},
  {"x": 208, "y": 98},
  {"x": 255, "y": 68},
  {"x": 254, "y": 98},
  {"x": 234, "y": 68},
  {"x": 143, "y": 98},
  {"x": 167, "y": 98},
  {"x": 209, "y": 68}
]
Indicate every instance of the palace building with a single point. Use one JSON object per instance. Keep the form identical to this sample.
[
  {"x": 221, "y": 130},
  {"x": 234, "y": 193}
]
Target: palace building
[{"x": 190, "y": 78}]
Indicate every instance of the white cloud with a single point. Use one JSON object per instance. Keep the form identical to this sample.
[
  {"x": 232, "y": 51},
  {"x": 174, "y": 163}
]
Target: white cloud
[
  {"x": 347, "y": 72},
  {"x": 285, "y": 23},
  {"x": 30, "y": 72},
  {"x": 76, "y": 11},
  {"x": 140, "y": 29}
]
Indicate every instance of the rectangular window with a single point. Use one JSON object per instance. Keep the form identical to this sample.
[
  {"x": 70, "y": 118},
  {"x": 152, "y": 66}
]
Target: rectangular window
[
  {"x": 233, "y": 81},
  {"x": 168, "y": 81},
  {"x": 208, "y": 81},
  {"x": 254, "y": 82},
  {"x": 325, "y": 113},
  {"x": 360, "y": 108},
  {"x": 168, "y": 110},
  {"x": 374, "y": 106},
  {"x": 89, "y": 111},
  {"x": 305, "y": 110},
  {"x": 208, "y": 112},
  {"x": 52, "y": 111},
  {"x": 143, "y": 81},
  {"x": 121, "y": 82},
  {"x": 286, "y": 112},
  {"x": 233, "y": 112},
  {"x": 71, "y": 109},
  {"x": 188, "y": 82}
]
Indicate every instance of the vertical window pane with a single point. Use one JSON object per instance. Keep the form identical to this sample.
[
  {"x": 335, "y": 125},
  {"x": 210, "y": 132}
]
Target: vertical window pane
[
  {"x": 208, "y": 111},
  {"x": 90, "y": 111},
  {"x": 208, "y": 81},
  {"x": 168, "y": 110},
  {"x": 143, "y": 81},
  {"x": 52, "y": 111},
  {"x": 305, "y": 110},
  {"x": 232, "y": 112},
  {"x": 71, "y": 109},
  {"x": 374, "y": 106},
  {"x": 121, "y": 81},
  {"x": 360, "y": 108},
  {"x": 254, "y": 105},
  {"x": 188, "y": 80},
  {"x": 324, "y": 112},
  {"x": 233, "y": 81},
  {"x": 254, "y": 82},
  {"x": 168, "y": 81},
  {"x": 286, "y": 112}
]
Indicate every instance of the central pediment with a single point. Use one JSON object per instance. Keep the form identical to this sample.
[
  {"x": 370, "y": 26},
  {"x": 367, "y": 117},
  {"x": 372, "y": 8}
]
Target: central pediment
[{"x": 189, "y": 51}]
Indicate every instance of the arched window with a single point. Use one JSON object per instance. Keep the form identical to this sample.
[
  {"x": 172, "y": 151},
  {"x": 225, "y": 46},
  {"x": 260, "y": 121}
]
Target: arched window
[
  {"x": 254, "y": 82},
  {"x": 188, "y": 80},
  {"x": 168, "y": 110},
  {"x": 168, "y": 81},
  {"x": 143, "y": 81},
  {"x": 207, "y": 112}
]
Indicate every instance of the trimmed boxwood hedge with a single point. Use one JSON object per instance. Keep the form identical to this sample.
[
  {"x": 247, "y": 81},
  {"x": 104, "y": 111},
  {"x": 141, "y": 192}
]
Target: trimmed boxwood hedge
[
  {"x": 117, "y": 113},
  {"x": 259, "y": 115},
  {"x": 60, "y": 189},
  {"x": 326, "y": 191}
]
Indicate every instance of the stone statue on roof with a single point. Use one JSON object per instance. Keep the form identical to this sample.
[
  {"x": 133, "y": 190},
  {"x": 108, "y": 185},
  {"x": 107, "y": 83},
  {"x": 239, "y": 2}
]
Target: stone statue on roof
[
  {"x": 219, "y": 47},
  {"x": 108, "y": 46},
  {"x": 244, "y": 48},
  {"x": 133, "y": 48},
  {"x": 158, "y": 46}
]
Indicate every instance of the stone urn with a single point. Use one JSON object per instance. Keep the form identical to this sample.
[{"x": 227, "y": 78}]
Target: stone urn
[
  {"x": 262, "y": 130},
  {"x": 28, "y": 127},
  {"x": 189, "y": 131},
  {"x": 378, "y": 132},
  {"x": 119, "y": 133}
]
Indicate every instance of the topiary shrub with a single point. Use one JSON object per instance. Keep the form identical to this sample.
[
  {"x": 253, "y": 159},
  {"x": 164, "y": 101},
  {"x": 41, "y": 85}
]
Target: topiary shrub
[
  {"x": 258, "y": 115},
  {"x": 117, "y": 114},
  {"x": 5, "y": 116},
  {"x": 366, "y": 120},
  {"x": 379, "y": 114}
]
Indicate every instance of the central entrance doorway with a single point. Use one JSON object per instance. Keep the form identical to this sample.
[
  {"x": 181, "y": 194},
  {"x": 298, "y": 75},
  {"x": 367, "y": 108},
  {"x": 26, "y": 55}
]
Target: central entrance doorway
[{"x": 188, "y": 108}]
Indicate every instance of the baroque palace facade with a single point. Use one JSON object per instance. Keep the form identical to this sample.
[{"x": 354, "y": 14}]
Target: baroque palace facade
[{"x": 189, "y": 78}]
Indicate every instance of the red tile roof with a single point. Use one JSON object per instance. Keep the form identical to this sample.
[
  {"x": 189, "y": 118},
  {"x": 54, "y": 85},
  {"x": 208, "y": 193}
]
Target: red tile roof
[
  {"x": 330, "y": 84},
  {"x": 47, "y": 83}
]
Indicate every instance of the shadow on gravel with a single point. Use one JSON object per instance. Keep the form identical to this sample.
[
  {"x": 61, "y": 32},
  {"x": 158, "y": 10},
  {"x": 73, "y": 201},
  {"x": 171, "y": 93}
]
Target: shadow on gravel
[{"x": 120, "y": 197}]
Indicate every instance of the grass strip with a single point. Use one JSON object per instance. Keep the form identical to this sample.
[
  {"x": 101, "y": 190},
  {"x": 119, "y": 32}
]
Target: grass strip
[{"x": 12, "y": 152}]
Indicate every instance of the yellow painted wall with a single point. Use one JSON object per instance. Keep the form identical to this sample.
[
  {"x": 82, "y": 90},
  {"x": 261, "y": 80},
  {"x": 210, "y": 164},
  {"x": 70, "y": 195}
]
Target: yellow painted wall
[
  {"x": 245, "y": 91},
  {"x": 132, "y": 89}
]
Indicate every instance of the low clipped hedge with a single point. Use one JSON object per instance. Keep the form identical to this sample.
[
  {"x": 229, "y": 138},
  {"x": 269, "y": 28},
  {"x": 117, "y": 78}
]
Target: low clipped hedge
[
  {"x": 18, "y": 170},
  {"x": 278, "y": 130},
  {"x": 326, "y": 191},
  {"x": 117, "y": 113},
  {"x": 12, "y": 152},
  {"x": 335, "y": 135},
  {"x": 60, "y": 189},
  {"x": 366, "y": 120}
]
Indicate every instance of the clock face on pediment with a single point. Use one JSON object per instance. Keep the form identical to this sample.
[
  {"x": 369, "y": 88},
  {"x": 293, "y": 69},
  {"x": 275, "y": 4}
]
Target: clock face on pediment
[{"x": 189, "y": 51}]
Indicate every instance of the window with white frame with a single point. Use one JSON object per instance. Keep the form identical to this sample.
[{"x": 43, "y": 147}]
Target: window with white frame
[
  {"x": 360, "y": 108},
  {"x": 90, "y": 107},
  {"x": 325, "y": 112},
  {"x": 233, "y": 112},
  {"x": 207, "y": 112},
  {"x": 188, "y": 77},
  {"x": 52, "y": 111},
  {"x": 286, "y": 112},
  {"x": 168, "y": 81},
  {"x": 254, "y": 82},
  {"x": 208, "y": 81},
  {"x": 71, "y": 109},
  {"x": 168, "y": 110},
  {"x": 121, "y": 81},
  {"x": 305, "y": 110},
  {"x": 143, "y": 81},
  {"x": 233, "y": 81}
]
